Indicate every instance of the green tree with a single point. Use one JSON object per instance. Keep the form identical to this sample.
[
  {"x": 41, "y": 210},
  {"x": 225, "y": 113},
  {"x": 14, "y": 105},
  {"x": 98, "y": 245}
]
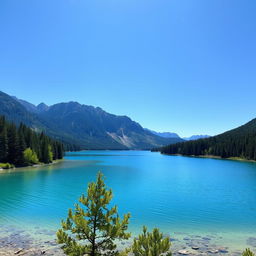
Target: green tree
[
  {"x": 13, "y": 145},
  {"x": 47, "y": 155},
  {"x": 3, "y": 145},
  {"x": 95, "y": 224},
  {"x": 151, "y": 244},
  {"x": 30, "y": 157},
  {"x": 248, "y": 252}
]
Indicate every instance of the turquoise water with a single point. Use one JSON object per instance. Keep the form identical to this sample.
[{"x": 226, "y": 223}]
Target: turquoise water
[{"x": 176, "y": 194}]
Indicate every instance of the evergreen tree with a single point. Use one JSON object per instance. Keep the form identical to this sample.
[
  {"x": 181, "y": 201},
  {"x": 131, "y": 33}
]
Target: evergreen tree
[
  {"x": 94, "y": 224},
  {"x": 13, "y": 143},
  {"x": 47, "y": 155},
  {"x": 3, "y": 145},
  {"x": 248, "y": 252},
  {"x": 151, "y": 244}
]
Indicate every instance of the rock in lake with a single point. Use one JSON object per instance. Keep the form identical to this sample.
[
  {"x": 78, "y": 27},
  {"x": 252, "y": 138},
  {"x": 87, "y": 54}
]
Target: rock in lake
[{"x": 183, "y": 252}]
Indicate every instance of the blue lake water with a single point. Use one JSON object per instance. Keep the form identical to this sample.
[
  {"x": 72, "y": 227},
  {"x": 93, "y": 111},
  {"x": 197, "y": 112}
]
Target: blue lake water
[{"x": 176, "y": 194}]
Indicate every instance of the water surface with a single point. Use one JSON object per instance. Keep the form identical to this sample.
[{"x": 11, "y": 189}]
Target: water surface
[{"x": 180, "y": 195}]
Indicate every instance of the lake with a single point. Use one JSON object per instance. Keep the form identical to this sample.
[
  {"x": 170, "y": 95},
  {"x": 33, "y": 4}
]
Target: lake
[{"x": 183, "y": 196}]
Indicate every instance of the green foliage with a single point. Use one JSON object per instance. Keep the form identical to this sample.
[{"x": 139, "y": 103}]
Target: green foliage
[
  {"x": 14, "y": 143},
  {"x": 6, "y": 165},
  {"x": 3, "y": 145},
  {"x": 151, "y": 244},
  {"x": 237, "y": 143},
  {"x": 30, "y": 156},
  {"x": 93, "y": 223},
  {"x": 248, "y": 252}
]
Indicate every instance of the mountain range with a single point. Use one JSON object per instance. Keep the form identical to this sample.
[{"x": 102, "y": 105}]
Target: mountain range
[
  {"x": 85, "y": 126},
  {"x": 175, "y": 135},
  {"x": 196, "y": 137}
]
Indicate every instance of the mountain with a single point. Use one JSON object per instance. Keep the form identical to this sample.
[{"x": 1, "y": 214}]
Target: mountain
[
  {"x": 196, "y": 137},
  {"x": 42, "y": 107},
  {"x": 175, "y": 135},
  {"x": 164, "y": 134},
  {"x": 239, "y": 142},
  {"x": 30, "y": 107},
  {"x": 86, "y": 126},
  {"x": 98, "y": 129},
  {"x": 14, "y": 110}
]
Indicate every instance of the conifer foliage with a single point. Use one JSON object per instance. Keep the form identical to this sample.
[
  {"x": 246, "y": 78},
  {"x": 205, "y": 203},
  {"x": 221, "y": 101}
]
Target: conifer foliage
[
  {"x": 93, "y": 227},
  {"x": 21, "y": 146},
  {"x": 239, "y": 142},
  {"x": 151, "y": 244},
  {"x": 248, "y": 252}
]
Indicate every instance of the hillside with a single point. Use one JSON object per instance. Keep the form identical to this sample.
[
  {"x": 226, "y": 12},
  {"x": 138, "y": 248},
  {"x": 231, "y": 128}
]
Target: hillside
[
  {"x": 82, "y": 125},
  {"x": 239, "y": 142}
]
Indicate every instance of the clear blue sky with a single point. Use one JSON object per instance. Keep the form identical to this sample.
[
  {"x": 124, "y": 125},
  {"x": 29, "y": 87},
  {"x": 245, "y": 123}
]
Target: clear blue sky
[{"x": 187, "y": 66}]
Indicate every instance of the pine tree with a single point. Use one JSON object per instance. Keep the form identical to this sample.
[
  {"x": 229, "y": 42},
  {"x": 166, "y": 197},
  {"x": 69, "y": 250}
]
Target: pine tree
[
  {"x": 13, "y": 144},
  {"x": 47, "y": 155},
  {"x": 94, "y": 224},
  {"x": 3, "y": 145},
  {"x": 151, "y": 244},
  {"x": 21, "y": 148},
  {"x": 248, "y": 252}
]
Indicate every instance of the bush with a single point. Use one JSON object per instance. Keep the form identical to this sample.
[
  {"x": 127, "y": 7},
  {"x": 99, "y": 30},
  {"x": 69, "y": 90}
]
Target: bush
[
  {"x": 6, "y": 166},
  {"x": 30, "y": 157}
]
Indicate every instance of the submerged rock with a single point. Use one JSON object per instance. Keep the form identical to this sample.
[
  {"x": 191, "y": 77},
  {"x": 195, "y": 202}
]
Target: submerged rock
[
  {"x": 251, "y": 241},
  {"x": 183, "y": 252},
  {"x": 223, "y": 250}
]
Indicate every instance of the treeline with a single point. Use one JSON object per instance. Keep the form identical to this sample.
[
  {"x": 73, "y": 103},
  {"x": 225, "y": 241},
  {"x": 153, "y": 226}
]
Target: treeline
[
  {"x": 240, "y": 142},
  {"x": 21, "y": 146}
]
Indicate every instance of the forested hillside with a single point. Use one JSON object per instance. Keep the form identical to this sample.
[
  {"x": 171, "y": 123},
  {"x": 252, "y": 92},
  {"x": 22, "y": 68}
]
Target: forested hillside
[
  {"x": 239, "y": 142},
  {"x": 21, "y": 146}
]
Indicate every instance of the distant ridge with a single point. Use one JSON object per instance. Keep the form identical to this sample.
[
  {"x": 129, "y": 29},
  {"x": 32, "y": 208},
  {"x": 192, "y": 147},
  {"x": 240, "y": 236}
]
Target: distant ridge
[
  {"x": 87, "y": 126},
  {"x": 197, "y": 137},
  {"x": 164, "y": 134},
  {"x": 175, "y": 135}
]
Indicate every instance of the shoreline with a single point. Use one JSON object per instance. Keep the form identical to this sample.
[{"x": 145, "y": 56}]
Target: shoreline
[
  {"x": 31, "y": 166},
  {"x": 42, "y": 241},
  {"x": 212, "y": 157}
]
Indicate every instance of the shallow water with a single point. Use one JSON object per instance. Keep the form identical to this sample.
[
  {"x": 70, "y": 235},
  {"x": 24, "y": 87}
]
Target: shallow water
[{"x": 182, "y": 196}]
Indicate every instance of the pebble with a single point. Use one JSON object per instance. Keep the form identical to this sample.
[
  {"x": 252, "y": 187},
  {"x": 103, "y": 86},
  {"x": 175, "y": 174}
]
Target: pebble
[
  {"x": 183, "y": 252},
  {"x": 223, "y": 250},
  {"x": 19, "y": 251},
  {"x": 213, "y": 251}
]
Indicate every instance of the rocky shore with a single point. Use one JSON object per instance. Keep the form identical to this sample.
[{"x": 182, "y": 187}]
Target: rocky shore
[{"x": 19, "y": 242}]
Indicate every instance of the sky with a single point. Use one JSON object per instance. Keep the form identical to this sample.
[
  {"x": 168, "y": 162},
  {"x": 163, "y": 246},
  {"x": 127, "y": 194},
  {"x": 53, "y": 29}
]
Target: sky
[{"x": 185, "y": 66}]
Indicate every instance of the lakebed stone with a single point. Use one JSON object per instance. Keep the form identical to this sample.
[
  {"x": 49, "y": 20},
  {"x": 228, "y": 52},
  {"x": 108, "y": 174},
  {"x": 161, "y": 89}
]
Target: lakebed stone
[{"x": 251, "y": 241}]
